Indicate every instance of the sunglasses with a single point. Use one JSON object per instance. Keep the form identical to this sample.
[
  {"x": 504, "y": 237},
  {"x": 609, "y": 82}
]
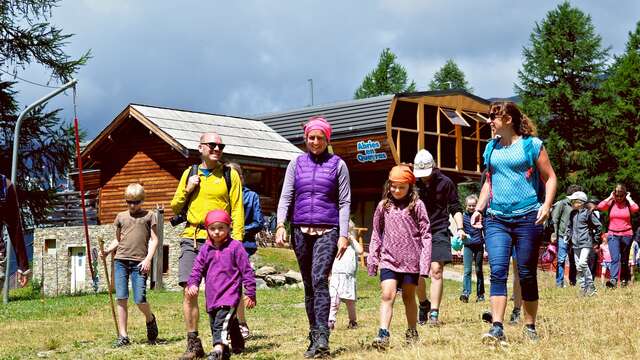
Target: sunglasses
[
  {"x": 134, "y": 202},
  {"x": 494, "y": 116},
  {"x": 212, "y": 145}
]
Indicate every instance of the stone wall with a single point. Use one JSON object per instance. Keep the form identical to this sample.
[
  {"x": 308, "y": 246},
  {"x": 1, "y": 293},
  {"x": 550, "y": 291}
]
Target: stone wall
[{"x": 55, "y": 267}]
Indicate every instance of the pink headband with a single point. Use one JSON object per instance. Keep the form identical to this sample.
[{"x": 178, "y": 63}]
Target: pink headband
[
  {"x": 217, "y": 216},
  {"x": 318, "y": 123}
]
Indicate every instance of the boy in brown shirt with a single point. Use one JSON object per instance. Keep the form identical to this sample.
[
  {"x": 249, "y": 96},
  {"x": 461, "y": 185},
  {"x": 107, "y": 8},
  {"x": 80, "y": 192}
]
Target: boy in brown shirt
[{"x": 135, "y": 243}]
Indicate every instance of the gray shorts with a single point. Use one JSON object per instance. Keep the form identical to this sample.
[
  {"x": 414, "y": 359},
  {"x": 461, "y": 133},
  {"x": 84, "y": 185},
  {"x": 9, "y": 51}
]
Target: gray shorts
[
  {"x": 185, "y": 261},
  {"x": 441, "y": 247}
]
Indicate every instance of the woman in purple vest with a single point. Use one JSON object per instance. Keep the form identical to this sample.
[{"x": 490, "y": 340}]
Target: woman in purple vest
[{"x": 317, "y": 186}]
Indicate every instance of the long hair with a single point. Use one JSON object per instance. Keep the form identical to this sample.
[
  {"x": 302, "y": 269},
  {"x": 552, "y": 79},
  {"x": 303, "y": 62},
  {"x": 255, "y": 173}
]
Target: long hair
[
  {"x": 522, "y": 125},
  {"x": 388, "y": 199}
]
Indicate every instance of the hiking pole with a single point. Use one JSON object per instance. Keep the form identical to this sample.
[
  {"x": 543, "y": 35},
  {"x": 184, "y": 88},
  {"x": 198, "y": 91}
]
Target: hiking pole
[{"x": 106, "y": 276}]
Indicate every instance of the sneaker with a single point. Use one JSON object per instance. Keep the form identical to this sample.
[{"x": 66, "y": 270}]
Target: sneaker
[
  {"x": 623, "y": 283},
  {"x": 423, "y": 311},
  {"x": 194, "y": 349},
  {"x": 530, "y": 334},
  {"x": 611, "y": 284},
  {"x": 433, "y": 318},
  {"x": 487, "y": 316},
  {"x": 352, "y": 325},
  {"x": 495, "y": 336},
  {"x": 411, "y": 336},
  {"x": 592, "y": 291},
  {"x": 464, "y": 298},
  {"x": 244, "y": 330},
  {"x": 561, "y": 285},
  {"x": 152, "y": 330},
  {"x": 122, "y": 341},
  {"x": 480, "y": 298},
  {"x": 381, "y": 342},
  {"x": 515, "y": 317}
]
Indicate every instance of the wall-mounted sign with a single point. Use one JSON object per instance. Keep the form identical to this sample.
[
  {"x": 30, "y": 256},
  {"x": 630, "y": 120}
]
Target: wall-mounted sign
[{"x": 370, "y": 155}]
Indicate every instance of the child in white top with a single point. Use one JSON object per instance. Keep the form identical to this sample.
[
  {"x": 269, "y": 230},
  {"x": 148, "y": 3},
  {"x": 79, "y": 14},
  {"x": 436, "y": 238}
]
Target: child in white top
[{"x": 342, "y": 284}]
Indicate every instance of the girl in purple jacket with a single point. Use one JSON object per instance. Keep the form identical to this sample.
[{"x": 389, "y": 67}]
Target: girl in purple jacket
[
  {"x": 400, "y": 248},
  {"x": 225, "y": 266}
]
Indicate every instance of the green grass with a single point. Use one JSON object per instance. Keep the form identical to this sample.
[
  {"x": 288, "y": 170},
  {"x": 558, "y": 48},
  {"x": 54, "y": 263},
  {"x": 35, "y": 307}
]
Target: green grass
[{"x": 81, "y": 327}]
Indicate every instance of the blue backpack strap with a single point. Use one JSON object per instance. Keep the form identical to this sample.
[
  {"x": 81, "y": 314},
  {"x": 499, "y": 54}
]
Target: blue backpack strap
[
  {"x": 3, "y": 188},
  {"x": 532, "y": 171}
]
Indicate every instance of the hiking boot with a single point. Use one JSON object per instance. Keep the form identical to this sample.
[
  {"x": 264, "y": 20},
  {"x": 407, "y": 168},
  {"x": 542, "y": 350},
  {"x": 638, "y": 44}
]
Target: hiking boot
[
  {"x": 530, "y": 334},
  {"x": 611, "y": 284},
  {"x": 487, "y": 316},
  {"x": 515, "y": 316},
  {"x": 464, "y": 298},
  {"x": 352, "y": 325},
  {"x": 433, "y": 318},
  {"x": 152, "y": 330},
  {"x": 495, "y": 336},
  {"x": 311, "y": 350},
  {"x": 122, "y": 341},
  {"x": 381, "y": 342},
  {"x": 244, "y": 330},
  {"x": 423, "y": 311},
  {"x": 194, "y": 349},
  {"x": 480, "y": 298},
  {"x": 215, "y": 355},
  {"x": 322, "y": 343},
  {"x": 411, "y": 336}
]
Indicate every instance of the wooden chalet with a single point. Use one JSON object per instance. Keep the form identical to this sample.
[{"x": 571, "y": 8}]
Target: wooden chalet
[
  {"x": 153, "y": 146},
  {"x": 374, "y": 134}
]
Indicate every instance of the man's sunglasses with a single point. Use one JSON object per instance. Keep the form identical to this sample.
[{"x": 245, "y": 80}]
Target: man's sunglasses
[
  {"x": 134, "y": 202},
  {"x": 212, "y": 145}
]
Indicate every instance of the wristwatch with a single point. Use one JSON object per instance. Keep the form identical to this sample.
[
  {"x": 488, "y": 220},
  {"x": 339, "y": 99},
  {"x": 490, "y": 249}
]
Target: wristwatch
[{"x": 24, "y": 273}]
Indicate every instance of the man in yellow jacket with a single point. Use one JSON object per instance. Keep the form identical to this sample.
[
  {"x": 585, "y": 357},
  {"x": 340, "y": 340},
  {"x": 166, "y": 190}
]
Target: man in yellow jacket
[{"x": 205, "y": 191}]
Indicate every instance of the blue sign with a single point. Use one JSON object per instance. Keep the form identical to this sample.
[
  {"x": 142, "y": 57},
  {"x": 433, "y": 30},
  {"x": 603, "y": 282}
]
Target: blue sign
[{"x": 370, "y": 155}]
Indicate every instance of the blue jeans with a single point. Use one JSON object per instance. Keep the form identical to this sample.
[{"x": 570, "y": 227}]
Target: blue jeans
[
  {"x": 562, "y": 257},
  {"x": 473, "y": 255},
  {"x": 619, "y": 247},
  {"x": 124, "y": 269},
  {"x": 503, "y": 234}
]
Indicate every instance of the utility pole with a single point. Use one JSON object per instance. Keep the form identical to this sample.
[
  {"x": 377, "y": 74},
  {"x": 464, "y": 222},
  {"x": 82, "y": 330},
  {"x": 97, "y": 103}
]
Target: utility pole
[{"x": 311, "y": 89}]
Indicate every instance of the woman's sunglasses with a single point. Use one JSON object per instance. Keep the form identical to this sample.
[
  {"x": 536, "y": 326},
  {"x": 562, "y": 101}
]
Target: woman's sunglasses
[{"x": 134, "y": 202}]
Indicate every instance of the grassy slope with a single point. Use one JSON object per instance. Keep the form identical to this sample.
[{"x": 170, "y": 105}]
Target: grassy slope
[{"x": 571, "y": 327}]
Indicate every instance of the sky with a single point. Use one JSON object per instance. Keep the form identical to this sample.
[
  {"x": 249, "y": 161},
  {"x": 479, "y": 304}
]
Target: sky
[{"x": 250, "y": 57}]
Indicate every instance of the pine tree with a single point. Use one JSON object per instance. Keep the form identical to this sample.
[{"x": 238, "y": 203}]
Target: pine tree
[
  {"x": 563, "y": 67},
  {"x": 619, "y": 130},
  {"x": 388, "y": 77},
  {"x": 450, "y": 76},
  {"x": 46, "y": 148}
]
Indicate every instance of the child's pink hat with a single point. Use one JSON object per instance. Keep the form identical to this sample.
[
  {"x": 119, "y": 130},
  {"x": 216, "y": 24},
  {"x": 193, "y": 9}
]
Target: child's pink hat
[{"x": 217, "y": 216}]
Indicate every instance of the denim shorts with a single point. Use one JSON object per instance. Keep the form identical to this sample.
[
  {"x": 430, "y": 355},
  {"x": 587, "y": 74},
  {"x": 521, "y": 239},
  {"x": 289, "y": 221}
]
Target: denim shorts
[{"x": 124, "y": 269}]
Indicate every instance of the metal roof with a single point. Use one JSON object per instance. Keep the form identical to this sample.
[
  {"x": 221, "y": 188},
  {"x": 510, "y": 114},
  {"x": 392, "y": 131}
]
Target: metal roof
[
  {"x": 364, "y": 116},
  {"x": 243, "y": 137}
]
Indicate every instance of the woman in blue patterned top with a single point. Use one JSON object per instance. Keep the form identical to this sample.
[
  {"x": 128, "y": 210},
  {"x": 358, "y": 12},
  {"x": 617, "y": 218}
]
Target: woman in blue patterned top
[{"x": 516, "y": 201}]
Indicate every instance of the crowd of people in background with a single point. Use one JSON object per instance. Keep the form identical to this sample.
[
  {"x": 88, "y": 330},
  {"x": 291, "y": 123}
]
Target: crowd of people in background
[{"x": 411, "y": 239}]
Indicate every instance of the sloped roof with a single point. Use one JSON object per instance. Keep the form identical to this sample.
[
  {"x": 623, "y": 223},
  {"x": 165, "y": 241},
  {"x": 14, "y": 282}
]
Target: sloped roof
[
  {"x": 364, "y": 116},
  {"x": 182, "y": 130}
]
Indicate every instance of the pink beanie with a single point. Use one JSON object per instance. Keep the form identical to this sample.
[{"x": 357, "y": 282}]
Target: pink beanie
[
  {"x": 217, "y": 216},
  {"x": 318, "y": 123}
]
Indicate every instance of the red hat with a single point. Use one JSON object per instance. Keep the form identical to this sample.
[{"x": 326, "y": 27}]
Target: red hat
[
  {"x": 217, "y": 216},
  {"x": 402, "y": 174}
]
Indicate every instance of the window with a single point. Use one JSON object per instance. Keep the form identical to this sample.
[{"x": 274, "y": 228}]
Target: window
[
  {"x": 50, "y": 246},
  {"x": 255, "y": 179}
]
